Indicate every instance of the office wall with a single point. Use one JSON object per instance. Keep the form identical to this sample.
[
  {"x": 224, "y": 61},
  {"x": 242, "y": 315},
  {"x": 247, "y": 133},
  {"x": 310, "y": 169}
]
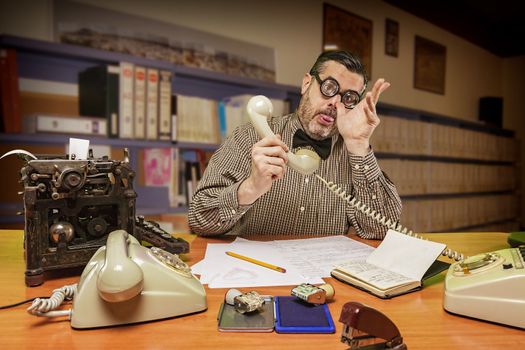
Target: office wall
[
  {"x": 294, "y": 30},
  {"x": 514, "y": 110}
]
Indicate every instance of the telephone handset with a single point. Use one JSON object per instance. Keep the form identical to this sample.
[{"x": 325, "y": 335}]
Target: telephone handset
[
  {"x": 120, "y": 278},
  {"x": 260, "y": 108},
  {"x": 124, "y": 283}
]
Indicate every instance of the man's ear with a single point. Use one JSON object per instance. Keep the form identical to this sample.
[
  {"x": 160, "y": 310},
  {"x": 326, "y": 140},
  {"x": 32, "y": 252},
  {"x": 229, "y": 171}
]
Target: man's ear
[{"x": 307, "y": 80}]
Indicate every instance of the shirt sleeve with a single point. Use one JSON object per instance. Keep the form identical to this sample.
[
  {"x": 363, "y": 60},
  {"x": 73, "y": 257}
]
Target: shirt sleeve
[
  {"x": 373, "y": 189},
  {"x": 214, "y": 208}
]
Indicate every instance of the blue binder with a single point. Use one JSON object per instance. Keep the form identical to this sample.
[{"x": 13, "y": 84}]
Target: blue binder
[{"x": 296, "y": 316}]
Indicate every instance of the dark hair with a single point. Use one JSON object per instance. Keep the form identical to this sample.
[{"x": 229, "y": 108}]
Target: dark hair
[{"x": 347, "y": 59}]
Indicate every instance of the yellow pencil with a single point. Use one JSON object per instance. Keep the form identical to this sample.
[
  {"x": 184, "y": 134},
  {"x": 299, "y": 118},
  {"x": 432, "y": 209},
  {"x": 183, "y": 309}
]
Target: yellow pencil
[{"x": 257, "y": 262}]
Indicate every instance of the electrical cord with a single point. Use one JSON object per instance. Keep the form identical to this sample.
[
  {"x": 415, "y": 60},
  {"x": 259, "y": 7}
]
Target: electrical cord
[
  {"x": 3, "y": 307},
  {"x": 378, "y": 217},
  {"x": 45, "y": 306}
]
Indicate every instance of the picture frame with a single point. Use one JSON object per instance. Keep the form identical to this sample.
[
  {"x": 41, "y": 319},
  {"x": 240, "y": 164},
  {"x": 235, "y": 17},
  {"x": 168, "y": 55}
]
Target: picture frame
[
  {"x": 391, "y": 37},
  {"x": 338, "y": 23},
  {"x": 430, "y": 60}
]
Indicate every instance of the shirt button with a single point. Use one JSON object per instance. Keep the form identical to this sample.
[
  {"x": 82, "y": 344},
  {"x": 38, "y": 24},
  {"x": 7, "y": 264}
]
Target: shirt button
[
  {"x": 218, "y": 224},
  {"x": 356, "y": 167},
  {"x": 306, "y": 180},
  {"x": 367, "y": 167},
  {"x": 233, "y": 211},
  {"x": 302, "y": 208},
  {"x": 374, "y": 196}
]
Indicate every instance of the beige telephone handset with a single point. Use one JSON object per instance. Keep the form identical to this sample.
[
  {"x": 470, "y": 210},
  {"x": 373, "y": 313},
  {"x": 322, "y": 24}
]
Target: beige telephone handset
[
  {"x": 488, "y": 286},
  {"x": 260, "y": 108},
  {"x": 124, "y": 283}
]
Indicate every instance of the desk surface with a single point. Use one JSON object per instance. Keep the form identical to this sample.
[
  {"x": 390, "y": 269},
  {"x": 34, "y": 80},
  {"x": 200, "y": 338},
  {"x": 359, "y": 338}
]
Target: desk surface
[{"x": 419, "y": 316}]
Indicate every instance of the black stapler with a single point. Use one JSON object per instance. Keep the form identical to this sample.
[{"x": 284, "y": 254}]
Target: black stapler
[{"x": 367, "y": 328}]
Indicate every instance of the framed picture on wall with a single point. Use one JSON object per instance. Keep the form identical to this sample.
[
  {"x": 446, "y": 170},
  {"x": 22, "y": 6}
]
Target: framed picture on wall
[
  {"x": 391, "y": 37},
  {"x": 429, "y": 65},
  {"x": 343, "y": 30}
]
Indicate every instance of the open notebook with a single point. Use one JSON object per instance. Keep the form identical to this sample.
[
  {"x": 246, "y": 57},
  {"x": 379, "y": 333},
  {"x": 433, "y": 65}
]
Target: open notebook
[{"x": 398, "y": 266}]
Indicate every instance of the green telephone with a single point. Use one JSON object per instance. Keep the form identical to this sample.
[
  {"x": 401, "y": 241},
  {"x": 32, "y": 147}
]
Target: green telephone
[
  {"x": 124, "y": 283},
  {"x": 488, "y": 286}
]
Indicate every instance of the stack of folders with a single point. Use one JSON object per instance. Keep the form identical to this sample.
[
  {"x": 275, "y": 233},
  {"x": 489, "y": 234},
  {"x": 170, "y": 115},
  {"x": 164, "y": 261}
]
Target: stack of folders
[
  {"x": 136, "y": 101},
  {"x": 40, "y": 123}
]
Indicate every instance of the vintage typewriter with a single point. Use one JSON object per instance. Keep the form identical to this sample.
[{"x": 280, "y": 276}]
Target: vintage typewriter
[{"x": 71, "y": 206}]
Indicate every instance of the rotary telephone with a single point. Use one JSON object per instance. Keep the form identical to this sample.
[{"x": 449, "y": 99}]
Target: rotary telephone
[
  {"x": 495, "y": 279},
  {"x": 124, "y": 283}
]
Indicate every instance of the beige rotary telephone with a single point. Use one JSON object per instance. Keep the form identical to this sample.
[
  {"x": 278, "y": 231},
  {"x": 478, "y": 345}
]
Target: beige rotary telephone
[
  {"x": 124, "y": 283},
  {"x": 489, "y": 286}
]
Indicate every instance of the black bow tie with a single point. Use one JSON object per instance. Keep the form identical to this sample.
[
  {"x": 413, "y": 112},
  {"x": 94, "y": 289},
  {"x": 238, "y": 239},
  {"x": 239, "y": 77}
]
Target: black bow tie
[{"x": 322, "y": 147}]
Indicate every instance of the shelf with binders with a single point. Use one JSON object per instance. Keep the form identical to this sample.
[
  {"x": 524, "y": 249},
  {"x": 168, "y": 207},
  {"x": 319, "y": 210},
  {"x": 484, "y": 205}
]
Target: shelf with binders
[
  {"x": 49, "y": 61},
  {"x": 452, "y": 175},
  {"x": 56, "y": 67},
  {"x": 431, "y": 158}
]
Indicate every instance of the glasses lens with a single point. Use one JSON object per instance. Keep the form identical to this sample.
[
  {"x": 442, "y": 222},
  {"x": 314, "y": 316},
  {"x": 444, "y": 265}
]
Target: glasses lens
[
  {"x": 350, "y": 99},
  {"x": 329, "y": 87}
]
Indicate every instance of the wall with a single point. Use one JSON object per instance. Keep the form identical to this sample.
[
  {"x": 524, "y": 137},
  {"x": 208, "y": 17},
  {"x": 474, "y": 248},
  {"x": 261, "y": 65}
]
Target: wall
[
  {"x": 296, "y": 34},
  {"x": 513, "y": 111},
  {"x": 294, "y": 30}
]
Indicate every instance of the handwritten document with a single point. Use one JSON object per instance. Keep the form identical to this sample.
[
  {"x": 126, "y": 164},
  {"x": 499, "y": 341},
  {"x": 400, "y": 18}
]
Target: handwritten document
[
  {"x": 374, "y": 275},
  {"x": 305, "y": 261}
]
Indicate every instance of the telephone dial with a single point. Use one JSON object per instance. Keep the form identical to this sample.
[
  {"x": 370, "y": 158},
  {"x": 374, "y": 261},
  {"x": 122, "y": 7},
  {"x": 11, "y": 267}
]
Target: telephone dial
[
  {"x": 125, "y": 282},
  {"x": 489, "y": 286}
]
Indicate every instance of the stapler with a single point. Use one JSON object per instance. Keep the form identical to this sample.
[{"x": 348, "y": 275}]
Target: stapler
[{"x": 367, "y": 328}]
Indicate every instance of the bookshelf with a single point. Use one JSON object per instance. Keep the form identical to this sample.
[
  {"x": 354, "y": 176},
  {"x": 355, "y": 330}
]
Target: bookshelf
[
  {"x": 447, "y": 170},
  {"x": 452, "y": 175}
]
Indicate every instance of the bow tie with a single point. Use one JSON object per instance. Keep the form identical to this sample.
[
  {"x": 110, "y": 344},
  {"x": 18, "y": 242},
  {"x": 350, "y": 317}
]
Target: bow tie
[{"x": 321, "y": 147}]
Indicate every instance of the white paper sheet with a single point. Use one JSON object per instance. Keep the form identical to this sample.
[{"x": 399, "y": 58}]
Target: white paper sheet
[
  {"x": 405, "y": 255},
  {"x": 79, "y": 148},
  {"x": 305, "y": 261},
  {"x": 316, "y": 257}
]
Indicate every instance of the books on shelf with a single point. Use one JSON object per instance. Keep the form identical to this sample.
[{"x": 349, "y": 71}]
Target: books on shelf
[
  {"x": 40, "y": 123},
  {"x": 197, "y": 120},
  {"x": 126, "y": 97},
  {"x": 139, "y": 104},
  {"x": 10, "y": 115},
  {"x": 232, "y": 112},
  {"x": 165, "y": 111},
  {"x": 98, "y": 95},
  {"x": 152, "y": 95},
  {"x": 394, "y": 268},
  {"x": 131, "y": 99}
]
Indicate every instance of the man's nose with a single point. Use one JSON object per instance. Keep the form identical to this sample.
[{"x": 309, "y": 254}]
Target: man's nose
[{"x": 334, "y": 99}]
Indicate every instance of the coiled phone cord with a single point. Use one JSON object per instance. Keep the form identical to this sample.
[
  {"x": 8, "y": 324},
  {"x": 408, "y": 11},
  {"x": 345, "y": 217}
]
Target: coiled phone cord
[
  {"x": 44, "y": 306},
  {"x": 378, "y": 217}
]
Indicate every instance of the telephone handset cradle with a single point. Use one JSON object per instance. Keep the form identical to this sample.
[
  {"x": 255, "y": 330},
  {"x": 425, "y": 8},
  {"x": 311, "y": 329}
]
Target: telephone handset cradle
[
  {"x": 489, "y": 286},
  {"x": 125, "y": 282}
]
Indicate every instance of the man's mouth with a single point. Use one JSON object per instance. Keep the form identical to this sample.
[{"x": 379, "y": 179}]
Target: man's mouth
[{"x": 326, "y": 119}]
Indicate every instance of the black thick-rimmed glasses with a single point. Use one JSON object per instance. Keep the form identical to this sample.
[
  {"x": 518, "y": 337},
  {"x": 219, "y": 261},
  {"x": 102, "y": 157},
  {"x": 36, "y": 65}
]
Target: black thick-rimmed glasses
[{"x": 330, "y": 87}]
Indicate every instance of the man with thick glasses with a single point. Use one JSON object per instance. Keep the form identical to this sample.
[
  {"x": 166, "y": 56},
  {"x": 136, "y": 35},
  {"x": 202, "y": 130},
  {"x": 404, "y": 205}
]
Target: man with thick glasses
[{"x": 248, "y": 190}]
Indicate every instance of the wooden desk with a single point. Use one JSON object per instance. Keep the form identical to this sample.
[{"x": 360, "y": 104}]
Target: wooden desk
[{"x": 420, "y": 316}]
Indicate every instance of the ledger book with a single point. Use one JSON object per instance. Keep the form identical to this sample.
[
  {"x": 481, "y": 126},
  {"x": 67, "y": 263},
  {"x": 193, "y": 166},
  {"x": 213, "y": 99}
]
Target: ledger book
[{"x": 396, "y": 267}]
